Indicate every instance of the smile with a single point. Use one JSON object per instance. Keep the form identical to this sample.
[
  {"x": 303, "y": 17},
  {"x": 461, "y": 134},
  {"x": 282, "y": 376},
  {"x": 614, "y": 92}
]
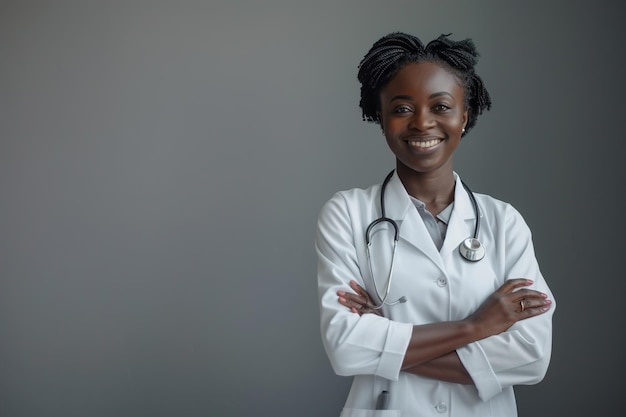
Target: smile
[{"x": 424, "y": 144}]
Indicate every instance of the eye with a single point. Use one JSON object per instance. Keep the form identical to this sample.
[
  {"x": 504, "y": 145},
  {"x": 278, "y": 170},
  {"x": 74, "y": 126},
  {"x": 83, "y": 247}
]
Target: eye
[
  {"x": 402, "y": 109},
  {"x": 439, "y": 108}
]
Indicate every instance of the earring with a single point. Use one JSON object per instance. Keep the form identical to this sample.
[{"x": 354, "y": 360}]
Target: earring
[{"x": 463, "y": 131}]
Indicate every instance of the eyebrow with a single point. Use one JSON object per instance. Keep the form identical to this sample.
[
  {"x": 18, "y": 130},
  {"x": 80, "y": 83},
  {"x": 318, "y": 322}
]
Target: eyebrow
[{"x": 433, "y": 95}]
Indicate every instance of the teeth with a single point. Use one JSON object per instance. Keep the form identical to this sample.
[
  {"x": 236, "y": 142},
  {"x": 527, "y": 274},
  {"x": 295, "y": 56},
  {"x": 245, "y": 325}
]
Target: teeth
[{"x": 425, "y": 144}]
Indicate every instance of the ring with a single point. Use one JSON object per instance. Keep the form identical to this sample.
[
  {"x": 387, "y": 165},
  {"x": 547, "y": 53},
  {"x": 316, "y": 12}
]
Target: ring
[{"x": 521, "y": 303}]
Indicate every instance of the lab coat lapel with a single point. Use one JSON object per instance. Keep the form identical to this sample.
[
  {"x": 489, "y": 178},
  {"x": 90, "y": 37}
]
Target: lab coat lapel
[
  {"x": 412, "y": 229},
  {"x": 462, "y": 220}
]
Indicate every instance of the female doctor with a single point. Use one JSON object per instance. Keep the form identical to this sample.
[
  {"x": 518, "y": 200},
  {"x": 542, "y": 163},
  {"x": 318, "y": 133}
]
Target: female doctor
[{"x": 445, "y": 310}]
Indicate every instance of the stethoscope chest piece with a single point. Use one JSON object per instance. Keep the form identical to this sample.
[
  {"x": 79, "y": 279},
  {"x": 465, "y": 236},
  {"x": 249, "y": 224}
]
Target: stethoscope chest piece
[{"x": 472, "y": 250}]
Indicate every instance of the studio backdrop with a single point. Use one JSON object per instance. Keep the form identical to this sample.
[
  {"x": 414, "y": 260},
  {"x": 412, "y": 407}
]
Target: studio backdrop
[{"x": 163, "y": 163}]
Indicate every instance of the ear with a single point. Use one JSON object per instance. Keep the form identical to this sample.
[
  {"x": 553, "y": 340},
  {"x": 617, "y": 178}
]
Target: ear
[
  {"x": 465, "y": 118},
  {"x": 379, "y": 115}
]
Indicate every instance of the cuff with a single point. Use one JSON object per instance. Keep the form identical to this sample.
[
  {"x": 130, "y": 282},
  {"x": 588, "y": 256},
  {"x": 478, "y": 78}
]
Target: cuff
[
  {"x": 475, "y": 362},
  {"x": 397, "y": 342}
]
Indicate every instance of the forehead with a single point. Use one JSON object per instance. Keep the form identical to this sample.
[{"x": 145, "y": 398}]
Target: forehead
[{"x": 424, "y": 78}]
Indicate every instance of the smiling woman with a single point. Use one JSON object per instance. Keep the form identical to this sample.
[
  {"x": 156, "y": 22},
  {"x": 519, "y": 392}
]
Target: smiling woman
[
  {"x": 448, "y": 343},
  {"x": 423, "y": 117}
]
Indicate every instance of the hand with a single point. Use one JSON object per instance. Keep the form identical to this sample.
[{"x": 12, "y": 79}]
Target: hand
[
  {"x": 359, "y": 303},
  {"x": 508, "y": 305}
]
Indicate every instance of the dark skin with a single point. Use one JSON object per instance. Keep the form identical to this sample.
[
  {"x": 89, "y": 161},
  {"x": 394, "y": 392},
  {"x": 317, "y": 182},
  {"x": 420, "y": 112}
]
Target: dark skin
[
  {"x": 432, "y": 349},
  {"x": 423, "y": 115}
]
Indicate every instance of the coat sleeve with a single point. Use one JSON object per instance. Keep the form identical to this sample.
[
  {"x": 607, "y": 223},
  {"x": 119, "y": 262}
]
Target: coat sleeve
[
  {"x": 355, "y": 345},
  {"x": 519, "y": 356}
]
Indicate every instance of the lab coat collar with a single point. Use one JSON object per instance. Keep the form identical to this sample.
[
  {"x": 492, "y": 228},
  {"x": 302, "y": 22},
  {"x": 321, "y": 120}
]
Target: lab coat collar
[{"x": 398, "y": 206}]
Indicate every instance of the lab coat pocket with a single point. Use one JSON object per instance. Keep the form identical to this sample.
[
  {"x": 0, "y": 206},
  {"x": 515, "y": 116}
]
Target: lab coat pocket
[{"x": 358, "y": 412}]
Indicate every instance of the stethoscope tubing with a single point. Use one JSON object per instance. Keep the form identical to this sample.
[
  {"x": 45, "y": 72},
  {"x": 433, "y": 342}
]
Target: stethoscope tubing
[{"x": 471, "y": 249}]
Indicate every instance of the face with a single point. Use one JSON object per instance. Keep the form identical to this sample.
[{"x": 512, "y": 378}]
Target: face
[{"x": 422, "y": 114}]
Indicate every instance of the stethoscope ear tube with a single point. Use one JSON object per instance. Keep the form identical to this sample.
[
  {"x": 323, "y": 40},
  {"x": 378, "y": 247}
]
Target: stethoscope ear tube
[
  {"x": 396, "y": 232},
  {"x": 396, "y": 235},
  {"x": 471, "y": 248}
]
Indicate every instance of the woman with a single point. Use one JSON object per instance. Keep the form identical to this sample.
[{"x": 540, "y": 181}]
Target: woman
[{"x": 423, "y": 330}]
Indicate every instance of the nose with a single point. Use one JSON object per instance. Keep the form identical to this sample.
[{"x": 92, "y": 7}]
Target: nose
[{"x": 421, "y": 120}]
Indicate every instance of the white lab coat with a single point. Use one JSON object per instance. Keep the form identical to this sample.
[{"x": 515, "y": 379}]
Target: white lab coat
[{"x": 439, "y": 286}]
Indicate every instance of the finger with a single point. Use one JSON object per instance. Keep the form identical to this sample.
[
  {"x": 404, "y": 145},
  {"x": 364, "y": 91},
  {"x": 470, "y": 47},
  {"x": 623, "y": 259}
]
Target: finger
[
  {"x": 355, "y": 298},
  {"x": 533, "y": 307},
  {"x": 512, "y": 284},
  {"x": 528, "y": 294},
  {"x": 358, "y": 289},
  {"x": 346, "y": 295},
  {"x": 352, "y": 304},
  {"x": 365, "y": 298},
  {"x": 344, "y": 302},
  {"x": 347, "y": 302},
  {"x": 368, "y": 301}
]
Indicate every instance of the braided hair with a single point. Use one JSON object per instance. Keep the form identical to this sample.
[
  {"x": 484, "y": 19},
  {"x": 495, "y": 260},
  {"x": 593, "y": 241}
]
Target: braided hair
[{"x": 392, "y": 52}]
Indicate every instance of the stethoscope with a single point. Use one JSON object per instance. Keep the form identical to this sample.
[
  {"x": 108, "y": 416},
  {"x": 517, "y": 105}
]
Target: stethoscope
[{"x": 471, "y": 249}]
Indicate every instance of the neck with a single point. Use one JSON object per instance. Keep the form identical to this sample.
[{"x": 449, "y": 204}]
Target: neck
[{"x": 435, "y": 189}]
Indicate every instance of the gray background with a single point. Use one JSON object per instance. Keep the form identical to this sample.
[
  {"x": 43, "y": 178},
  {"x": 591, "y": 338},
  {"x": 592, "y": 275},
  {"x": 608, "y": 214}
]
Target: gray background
[{"x": 162, "y": 164}]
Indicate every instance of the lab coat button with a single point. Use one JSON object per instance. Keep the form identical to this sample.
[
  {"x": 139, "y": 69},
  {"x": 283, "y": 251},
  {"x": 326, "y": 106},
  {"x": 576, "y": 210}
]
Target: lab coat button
[
  {"x": 441, "y": 407},
  {"x": 442, "y": 282}
]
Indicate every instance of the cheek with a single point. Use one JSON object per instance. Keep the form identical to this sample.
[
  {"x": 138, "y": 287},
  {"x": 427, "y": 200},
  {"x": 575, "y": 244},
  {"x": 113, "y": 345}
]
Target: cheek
[
  {"x": 458, "y": 123},
  {"x": 393, "y": 125}
]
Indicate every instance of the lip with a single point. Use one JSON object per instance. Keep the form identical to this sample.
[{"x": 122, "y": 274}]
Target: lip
[{"x": 423, "y": 144}]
